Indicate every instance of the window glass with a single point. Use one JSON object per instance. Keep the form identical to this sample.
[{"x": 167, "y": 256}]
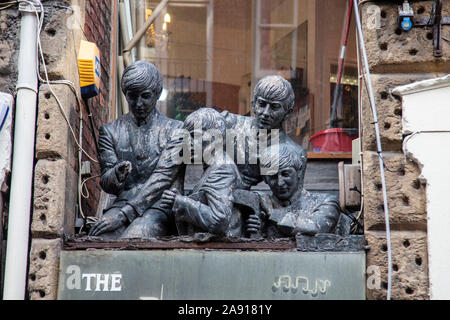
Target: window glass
[{"x": 212, "y": 53}]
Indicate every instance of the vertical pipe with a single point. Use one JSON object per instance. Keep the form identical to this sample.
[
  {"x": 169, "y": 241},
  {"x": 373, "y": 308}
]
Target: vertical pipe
[
  {"x": 133, "y": 11},
  {"x": 378, "y": 139},
  {"x": 140, "y": 21},
  {"x": 124, "y": 35},
  {"x": 210, "y": 53},
  {"x": 139, "y": 33},
  {"x": 294, "y": 40},
  {"x": 256, "y": 43},
  {"x": 123, "y": 100},
  {"x": 23, "y": 157},
  {"x": 114, "y": 50},
  {"x": 129, "y": 26},
  {"x": 337, "y": 96}
]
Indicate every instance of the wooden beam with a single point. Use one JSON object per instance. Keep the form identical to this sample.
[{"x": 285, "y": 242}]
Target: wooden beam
[{"x": 330, "y": 155}]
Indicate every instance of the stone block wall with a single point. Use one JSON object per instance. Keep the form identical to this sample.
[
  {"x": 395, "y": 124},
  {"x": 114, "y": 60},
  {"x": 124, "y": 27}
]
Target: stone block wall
[
  {"x": 396, "y": 58},
  {"x": 44, "y": 269},
  {"x": 56, "y": 171},
  {"x": 54, "y": 208}
]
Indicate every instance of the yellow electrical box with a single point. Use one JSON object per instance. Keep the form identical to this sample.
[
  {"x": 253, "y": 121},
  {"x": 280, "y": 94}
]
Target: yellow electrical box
[{"x": 89, "y": 69}]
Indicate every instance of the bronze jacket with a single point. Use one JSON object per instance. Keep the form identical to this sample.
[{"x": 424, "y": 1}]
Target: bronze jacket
[
  {"x": 142, "y": 145},
  {"x": 306, "y": 213}
]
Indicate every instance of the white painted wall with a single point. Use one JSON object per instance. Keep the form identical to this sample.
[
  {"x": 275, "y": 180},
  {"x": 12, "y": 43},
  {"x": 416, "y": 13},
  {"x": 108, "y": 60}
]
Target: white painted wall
[{"x": 426, "y": 119}]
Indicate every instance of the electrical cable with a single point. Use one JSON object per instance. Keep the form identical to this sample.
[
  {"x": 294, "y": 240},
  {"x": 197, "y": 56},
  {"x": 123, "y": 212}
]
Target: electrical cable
[
  {"x": 6, "y": 7},
  {"x": 75, "y": 92},
  {"x": 421, "y": 132},
  {"x": 360, "y": 155},
  {"x": 378, "y": 140},
  {"x": 83, "y": 186},
  {"x": 93, "y": 126},
  {"x": 7, "y": 4},
  {"x": 40, "y": 25}
]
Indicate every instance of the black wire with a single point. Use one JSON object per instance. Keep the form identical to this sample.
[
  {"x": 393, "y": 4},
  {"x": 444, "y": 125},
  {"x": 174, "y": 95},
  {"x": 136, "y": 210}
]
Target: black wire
[
  {"x": 354, "y": 223},
  {"x": 93, "y": 126}
]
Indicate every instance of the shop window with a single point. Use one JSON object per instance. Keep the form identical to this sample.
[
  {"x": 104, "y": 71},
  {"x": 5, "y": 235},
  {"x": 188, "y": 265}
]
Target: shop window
[{"x": 212, "y": 53}]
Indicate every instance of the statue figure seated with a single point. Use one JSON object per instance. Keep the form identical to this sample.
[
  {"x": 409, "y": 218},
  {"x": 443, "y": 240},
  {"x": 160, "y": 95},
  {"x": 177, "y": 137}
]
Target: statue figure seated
[
  {"x": 290, "y": 209},
  {"x": 129, "y": 150}
]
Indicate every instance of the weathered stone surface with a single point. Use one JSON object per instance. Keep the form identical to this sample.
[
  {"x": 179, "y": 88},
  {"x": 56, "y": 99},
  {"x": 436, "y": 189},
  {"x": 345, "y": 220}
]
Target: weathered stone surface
[
  {"x": 409, "y": 263},
  {"x": 390, "y": 50},
  {"x": 53, "y": 138},
  {"x": 330, "y": 243},
  {"x": 6, "y": 49},
  {"x": 55, "y": 186},
  {"x": 44, "y": 267},
  {"x": 9, "y": 44},
  {"x": 405, "y": 190},
  {"x": 389, "y": 110},
  {"x": 58, "y": 41}
]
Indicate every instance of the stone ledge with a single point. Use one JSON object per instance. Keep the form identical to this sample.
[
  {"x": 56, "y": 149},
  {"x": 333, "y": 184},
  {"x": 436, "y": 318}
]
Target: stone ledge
[{"x": 330, "y": 243}]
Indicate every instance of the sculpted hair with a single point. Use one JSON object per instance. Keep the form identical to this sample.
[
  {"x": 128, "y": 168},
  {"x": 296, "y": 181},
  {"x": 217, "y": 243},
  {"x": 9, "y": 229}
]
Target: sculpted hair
[
  {"x": 287, "y": 156},
  {"x": 142, "y": 75},
  {"x": 276, "y": 88},
  {"x": 208, "y": 118}
]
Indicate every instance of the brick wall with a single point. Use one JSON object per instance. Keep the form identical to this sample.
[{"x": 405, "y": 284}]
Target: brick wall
[{"x": 98, "y": 29}]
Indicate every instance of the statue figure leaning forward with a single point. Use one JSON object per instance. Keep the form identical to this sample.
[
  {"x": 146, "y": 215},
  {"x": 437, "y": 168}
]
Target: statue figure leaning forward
[{"x": 129, "y": 150}]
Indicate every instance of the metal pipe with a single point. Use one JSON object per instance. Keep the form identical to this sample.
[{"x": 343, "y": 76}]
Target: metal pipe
[
  {"x": 378, "y": 139},
  {"x": 140, "y": 20},
  {"x": 123, "y": 100},
  {"x": 129, "y": 25},
  {"x": 124, "y": 35},
  {"x": 141, "y": 32},
  {"x": 337, "y": 96},
  {"x": 23, "y": 157},
  {"x": 133, "y": 16},
  {"x": 209, "y": 53}
]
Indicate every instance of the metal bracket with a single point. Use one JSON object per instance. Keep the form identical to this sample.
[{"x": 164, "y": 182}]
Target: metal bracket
[{"x": 436, "y": 21}]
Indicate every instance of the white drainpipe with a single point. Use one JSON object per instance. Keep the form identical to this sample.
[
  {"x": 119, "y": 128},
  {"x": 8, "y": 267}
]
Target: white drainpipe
[{"x": 23, "y": 158}]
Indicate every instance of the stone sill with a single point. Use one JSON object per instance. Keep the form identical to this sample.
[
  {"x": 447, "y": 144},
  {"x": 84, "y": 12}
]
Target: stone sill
[{"x": 318, "y": 243}]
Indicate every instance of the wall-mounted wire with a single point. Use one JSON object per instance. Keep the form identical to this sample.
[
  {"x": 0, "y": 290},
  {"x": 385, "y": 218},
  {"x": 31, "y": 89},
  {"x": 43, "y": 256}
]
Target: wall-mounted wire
[
  {"x": 68, "y": 83},
  {"x": 378, "y": 140},
  {"x": 8, "y": 4}
]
